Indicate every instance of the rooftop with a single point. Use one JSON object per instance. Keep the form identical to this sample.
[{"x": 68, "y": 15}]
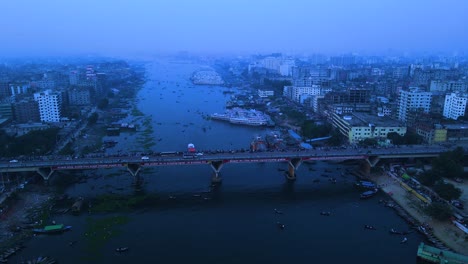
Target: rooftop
[{"x": 364, "y": 119}]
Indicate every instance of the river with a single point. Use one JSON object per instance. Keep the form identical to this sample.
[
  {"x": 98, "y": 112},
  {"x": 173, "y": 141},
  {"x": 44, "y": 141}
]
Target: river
[{"x": 235, "y": 222}]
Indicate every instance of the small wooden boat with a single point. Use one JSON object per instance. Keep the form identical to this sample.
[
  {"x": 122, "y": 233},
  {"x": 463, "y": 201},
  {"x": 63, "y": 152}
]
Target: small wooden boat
[{"x": 122, "y": 249}]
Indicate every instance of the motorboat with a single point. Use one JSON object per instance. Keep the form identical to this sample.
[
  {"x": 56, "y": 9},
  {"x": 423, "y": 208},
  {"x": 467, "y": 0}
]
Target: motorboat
[
  {"x": 370, "y": 227},
  {"x": 278, "y": 211},
  {"x": 280, "y": 225},
  {"x": 365, "y": 185},
  {"x": 404, "y": 240},
  {"x": 325, "y": 213},
  {"x": 122, "y": 249},
  {"x": 368, "y": 194}
]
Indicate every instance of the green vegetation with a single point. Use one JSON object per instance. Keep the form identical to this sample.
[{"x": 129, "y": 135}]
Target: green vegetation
[
  {"x": 448, "y": 164},
  {"x": 447, "y": 191},
  {"x": 103, "y": 103},
  {"x": 410, "y": 138},
  {"x": 67, "y": 150},
  {"x": 439, "y": 211},
  {"x": 93, "y": 118},
  {"x": 115, "y": 202},
  {"x": 37, "y": 142},
  {"x": 312, "y": 130},
  {"x": 368, "y": 142},
  {"x": 276, "y": 86},
  {"x": 99, "y": 232}
]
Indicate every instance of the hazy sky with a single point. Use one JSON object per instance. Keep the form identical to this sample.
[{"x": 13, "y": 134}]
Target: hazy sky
[{"x": 114, "y": 27}]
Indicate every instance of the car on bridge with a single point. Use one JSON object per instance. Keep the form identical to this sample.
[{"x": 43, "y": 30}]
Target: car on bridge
[
  {"x": 145, "y": 158},
  {"x": 13, "y": 161}
]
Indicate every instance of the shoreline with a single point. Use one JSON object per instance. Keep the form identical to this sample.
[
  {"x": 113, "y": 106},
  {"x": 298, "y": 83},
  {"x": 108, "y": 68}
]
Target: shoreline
[{"x": 443, "y": 231}]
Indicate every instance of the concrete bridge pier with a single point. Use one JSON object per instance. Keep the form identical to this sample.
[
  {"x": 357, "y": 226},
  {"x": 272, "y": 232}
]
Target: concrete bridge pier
[
  {"x": 45, "y": 173},
  {"x": 293, "y": 165},
  {"x": 216, "y": 166},
  {"x": 373, "y": 160},
  {"x": 365, "y": 167},
  {"x": 134, "y": 170}
]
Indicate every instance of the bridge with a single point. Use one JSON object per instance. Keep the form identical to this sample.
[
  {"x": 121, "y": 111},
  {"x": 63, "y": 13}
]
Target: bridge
[{"x": 47, "y": 165}]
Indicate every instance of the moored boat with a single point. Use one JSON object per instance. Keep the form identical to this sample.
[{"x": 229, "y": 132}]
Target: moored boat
[
  {"x": 365, "y": 185},
  {"x": 122, "y": 249},
  {"x": 52, "y": 229},
  {"x": 368, "y": 194}
]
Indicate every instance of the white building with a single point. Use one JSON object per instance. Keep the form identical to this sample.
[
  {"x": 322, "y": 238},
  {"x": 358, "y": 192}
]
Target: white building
[
  {"x": 271, "y": 63},
  {"x": 413, "y": 100},
  {"x": 49, "y": 105},
  {"x": 286, "y": 66},
  {"x": 295, "y": 93},
  {"x": 448, "y": 86},
  {"x": 265, "y": 93},
  {"x": 455, "y": 105}
]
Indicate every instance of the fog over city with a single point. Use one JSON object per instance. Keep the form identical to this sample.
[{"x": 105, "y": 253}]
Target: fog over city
[{"x": 108, "y": 27}]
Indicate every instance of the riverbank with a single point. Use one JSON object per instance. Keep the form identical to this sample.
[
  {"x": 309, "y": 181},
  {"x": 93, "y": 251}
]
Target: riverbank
[
  {"x": 445, "y": 231},
  {"x": 21, "y": 210}
]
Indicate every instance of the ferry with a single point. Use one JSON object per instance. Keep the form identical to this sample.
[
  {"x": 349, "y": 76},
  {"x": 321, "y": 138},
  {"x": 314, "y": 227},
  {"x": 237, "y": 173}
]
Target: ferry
[{"x": 241, "y": 116}]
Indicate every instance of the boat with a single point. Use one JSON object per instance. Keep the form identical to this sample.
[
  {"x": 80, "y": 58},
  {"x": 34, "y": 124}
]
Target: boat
[
  {"x": 77, "y": 205},
  {"x": 325, "y": 213},
  {"x": 241, "y": 116},
  {"x": 122, "y": 249},
  {"x": 368, "y": 194},
  {"x": 436, "y": 255},
  {"x": 365, "y": 185},
  {"x": 404, "y": 240},
  {"x": 280, "y": 225},
  {"x": 370, "y": 227},
  {"x": 278, "y": 211},
  {"x": 52, "y": 229}
]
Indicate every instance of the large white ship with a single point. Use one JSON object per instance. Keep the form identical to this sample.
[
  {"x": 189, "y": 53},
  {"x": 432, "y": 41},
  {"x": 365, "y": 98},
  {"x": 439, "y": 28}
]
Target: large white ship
[
  {"x": 207, "y": 77},
  {"x": 241, "y": 116}
]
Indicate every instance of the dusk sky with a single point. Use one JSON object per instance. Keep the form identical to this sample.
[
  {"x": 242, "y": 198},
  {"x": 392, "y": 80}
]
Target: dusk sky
[{"x": 118, "y": 27}]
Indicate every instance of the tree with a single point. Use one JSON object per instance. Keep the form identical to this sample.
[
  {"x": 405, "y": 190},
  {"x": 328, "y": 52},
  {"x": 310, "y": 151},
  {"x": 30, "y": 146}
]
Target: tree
[
  {"x": 103, "y": 103},
  {"x": 312, "y": 130},
  {"x": 429, "y": 178},
  {"x": 447, "y": 191},
  {"x": 93, "y": 118},
  {"x": 411, "y": 138},
  {"x": 368, "y": 142},
  {"x": 336, "y": 138},
  {"x": 439, "y": 211},
  {"x": 449, "y": 164},
  {"x": 395, "y": 138}
]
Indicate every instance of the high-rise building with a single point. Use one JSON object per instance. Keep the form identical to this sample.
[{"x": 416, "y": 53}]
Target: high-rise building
[
  {"x": 297, "y": 93},
  {"x": 79, "y": 96},
  {"x": 413, "y": 100},
  {"x": 448, "y": 86},
  {"x": 50, "y": 104},
  {"x": 74, "y": 77},
  {"x": 5, "y": 90},
  {"x": 26, "y": 110},
  {"x": 455, "y": 105}
]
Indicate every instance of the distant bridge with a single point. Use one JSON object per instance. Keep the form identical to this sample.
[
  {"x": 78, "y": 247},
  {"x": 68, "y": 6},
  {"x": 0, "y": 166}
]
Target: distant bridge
[{"x": 47, "y": 165}]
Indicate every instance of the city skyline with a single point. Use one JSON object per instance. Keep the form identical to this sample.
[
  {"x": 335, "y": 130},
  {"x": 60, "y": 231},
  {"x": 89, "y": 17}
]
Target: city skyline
[{"x": 293, "y": 27}]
